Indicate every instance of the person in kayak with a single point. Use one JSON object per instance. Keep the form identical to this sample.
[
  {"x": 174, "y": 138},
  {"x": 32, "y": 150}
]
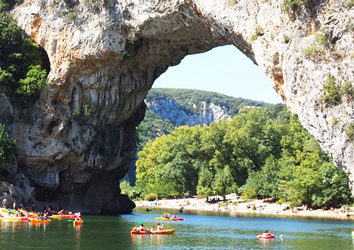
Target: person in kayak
[
  {"x": 159, "y": 227},
  {"x": 152, "y": 228},
  {"x": 267, "y": 233},
  {"x": 141, "y": 228}
]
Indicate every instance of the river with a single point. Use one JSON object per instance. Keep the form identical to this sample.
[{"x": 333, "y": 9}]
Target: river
[{"x": 198, "y": 231}]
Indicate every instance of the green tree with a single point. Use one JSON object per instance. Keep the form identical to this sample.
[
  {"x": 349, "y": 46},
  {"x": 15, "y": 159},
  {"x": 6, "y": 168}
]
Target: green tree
[
  {"x": 7, "y": 146},
  {"x": 224, "y": 183}
]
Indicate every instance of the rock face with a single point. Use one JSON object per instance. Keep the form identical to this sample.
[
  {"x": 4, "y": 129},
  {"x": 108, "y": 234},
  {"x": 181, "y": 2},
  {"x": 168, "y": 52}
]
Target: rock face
[
  {"x": 77, "y": 140},
  {"x": 171, "y": 110}
]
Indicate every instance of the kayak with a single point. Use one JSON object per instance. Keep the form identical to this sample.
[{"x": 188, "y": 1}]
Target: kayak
[
  {"x": 167, "y": 231},
  {"x": 32, "y": 215},
  {"x": 15, "y": 218},
  {"x": 269, "y": 236},
  {"x": 39, "y": 221},
  {"x": 63, "y": 216},
  {"x": 168, "y": 219}
]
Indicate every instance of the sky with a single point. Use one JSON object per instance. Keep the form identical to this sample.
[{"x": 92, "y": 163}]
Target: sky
[{"x": 224, "y": 70}]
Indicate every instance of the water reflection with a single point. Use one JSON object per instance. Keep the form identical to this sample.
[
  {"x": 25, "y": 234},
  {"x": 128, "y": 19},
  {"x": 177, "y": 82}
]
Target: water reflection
[
  {"x": 77, "y": 229},
  {"x": 148, "y": 239},
  {"x": 12, "y": 226}
]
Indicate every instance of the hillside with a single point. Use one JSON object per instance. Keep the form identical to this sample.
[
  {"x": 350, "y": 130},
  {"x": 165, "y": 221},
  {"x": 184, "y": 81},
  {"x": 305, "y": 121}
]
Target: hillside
[{"x": 168, "y": 108}]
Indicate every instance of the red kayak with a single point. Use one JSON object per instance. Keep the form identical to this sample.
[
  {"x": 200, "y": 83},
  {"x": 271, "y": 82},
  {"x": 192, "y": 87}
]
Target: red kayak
[{"x": 266, "y": 236}]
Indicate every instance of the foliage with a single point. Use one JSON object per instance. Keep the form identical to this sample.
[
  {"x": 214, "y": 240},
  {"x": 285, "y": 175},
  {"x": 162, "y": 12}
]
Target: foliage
[
  {"x": 291, "y": 5},
  {"x": 233, "y": 2},
  {"x": 264, "y": 151},
  {"x": 7, "y": 146},
  {"x": 128, "y": 190},
  {"x": 22, "y": 72},
  {"x": 321, "y": 39},
  {"x": 258, "y": 32},
  {"x": 151, "y": 197},
  {"x": 350, "y": 132},
  {"x": 311, "y": 50},
  {"x": 6, "y": 5},
  {"x": 348, "y": 3},
  {"x": 347, "y": 90},
  {"x": 332, "y": 95},
  {"x": 151, "y": 127},
  {"x": 192, "y": 100}
]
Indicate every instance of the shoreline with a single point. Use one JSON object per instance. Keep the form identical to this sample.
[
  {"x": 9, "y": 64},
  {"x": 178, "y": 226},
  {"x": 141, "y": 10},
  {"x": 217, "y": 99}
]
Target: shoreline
[{"x": 234, "y": 206}]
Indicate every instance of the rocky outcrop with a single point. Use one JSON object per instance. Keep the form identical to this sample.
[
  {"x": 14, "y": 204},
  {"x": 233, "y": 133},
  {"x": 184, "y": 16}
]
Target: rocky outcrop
[
  {"x": 171, "y": 110},
  {"x": 76, "y": 141}
]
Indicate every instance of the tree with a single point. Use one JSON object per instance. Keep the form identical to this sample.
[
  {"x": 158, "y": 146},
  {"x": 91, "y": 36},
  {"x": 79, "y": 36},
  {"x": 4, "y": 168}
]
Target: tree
[
  {"x": 224, "y": 183},
  {"x": 7, "y": 146}
]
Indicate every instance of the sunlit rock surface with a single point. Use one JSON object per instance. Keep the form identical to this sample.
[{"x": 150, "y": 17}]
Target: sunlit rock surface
[{"x": 75, "y": 143}]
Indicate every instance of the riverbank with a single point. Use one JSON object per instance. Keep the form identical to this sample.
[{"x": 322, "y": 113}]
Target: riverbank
[{"x": 235, "y": 206}]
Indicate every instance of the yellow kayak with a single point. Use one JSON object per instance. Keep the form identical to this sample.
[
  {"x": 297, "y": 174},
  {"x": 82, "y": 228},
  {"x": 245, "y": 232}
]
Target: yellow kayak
[
  {"x": 167, "y": 231},
  {"x": 168, "y": 219}
]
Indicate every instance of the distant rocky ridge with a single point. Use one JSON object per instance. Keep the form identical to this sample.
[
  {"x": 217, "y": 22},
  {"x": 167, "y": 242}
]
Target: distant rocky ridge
[{"x": 192, "y": 107}]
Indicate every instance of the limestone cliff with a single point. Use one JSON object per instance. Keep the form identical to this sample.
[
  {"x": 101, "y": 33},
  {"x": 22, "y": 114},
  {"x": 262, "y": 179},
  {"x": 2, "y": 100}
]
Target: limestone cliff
[{"x": 78, "y": 138}]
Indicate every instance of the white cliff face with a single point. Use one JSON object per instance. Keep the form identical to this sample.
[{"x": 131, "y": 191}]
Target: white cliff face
[
  {"x": 105, "y": 56},
  {"x": 171, "y": 110}
]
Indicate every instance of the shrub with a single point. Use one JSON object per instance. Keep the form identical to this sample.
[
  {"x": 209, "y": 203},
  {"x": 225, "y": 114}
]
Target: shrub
[
  {"x": 151, "y": 197},
  {"x": 311, "y": 50},
  {"x": 34, "y": 81},
  {"x": 233, "y": 2},
  {"x": 347, "y": 90},
  {"x": 321, "y": 39},
  {"x": 292, "y": 5},
  {"x": 249, "y": 193},
  {"x": 258, "y": 32},
  {"x": 7, "y": 146},
  {"x": 350, "y": 132},
  {"x": 332, "y": 96}
]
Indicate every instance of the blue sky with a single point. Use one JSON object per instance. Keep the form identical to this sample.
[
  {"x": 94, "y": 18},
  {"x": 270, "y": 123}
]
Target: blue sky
[{"x": 224, "y": 70}]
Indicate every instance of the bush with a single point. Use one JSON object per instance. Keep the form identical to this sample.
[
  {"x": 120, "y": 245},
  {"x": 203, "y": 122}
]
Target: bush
[
  {"x": 22, "y": 63},
  {"x": 292, "y": 5},
  {"x": 151, "y": 197},
  {"x": 350, "y": 132},
  {"x": 332, "y": 95},
  {"x": 311, "y": 50},
  {"x": 7, "y": 146}
]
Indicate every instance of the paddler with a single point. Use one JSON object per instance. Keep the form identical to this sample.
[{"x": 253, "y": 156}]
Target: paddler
[{"x": 159, "y": 227}]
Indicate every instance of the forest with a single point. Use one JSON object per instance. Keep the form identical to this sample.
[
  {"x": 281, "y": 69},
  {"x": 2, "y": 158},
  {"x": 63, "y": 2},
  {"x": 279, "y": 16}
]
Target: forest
[{"x": 260, "y": 153}]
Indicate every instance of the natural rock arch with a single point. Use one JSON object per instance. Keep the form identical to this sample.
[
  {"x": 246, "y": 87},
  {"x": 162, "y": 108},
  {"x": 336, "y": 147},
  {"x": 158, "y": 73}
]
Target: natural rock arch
[{"x": 105, "y": 56}]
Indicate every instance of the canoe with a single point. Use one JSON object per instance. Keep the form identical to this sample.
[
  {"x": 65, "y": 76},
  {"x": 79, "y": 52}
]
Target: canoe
[
  {"x": 168, "y": 219},
  {"x": 63, "y": 216},
  {"x": 15, "y": 218},
  {"x": 167, "y": 231},
  {"x": 269, "y": 236}
]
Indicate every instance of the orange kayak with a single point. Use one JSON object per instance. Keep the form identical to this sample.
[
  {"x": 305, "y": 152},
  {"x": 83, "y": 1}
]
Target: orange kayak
[{"x": 39, "y": 221}]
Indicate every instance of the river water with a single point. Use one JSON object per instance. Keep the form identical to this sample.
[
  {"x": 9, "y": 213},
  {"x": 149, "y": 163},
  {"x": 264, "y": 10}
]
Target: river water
[{"x": 197, "y": 231}]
